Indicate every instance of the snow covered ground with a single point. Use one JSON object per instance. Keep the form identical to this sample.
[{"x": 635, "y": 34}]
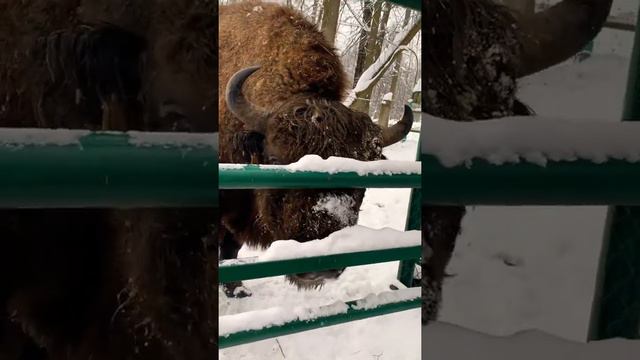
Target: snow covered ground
[
  {"x": 450, "y": 342},
  {"x": 394, "y": 336},
  {"x": 519, "y": 268}
]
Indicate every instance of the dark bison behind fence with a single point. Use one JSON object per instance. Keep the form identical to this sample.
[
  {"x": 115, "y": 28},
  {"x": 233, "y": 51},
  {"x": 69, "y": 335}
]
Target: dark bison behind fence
[
  {"x": 280, "y": 91},
  {"x": 476, "y": 50},
  {"x": 107, "y": 283}
]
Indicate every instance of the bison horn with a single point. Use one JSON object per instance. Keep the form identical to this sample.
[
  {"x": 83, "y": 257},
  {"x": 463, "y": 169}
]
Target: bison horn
[
  {"x": 399, "y": 130},
  {"x": 559, "y": 32},
  {"x": 254, "y": 118}
]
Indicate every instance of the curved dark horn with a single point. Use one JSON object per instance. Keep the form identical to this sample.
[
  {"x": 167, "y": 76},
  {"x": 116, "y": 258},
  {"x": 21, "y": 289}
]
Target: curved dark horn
[
  {"x": 399, "y": 130},
  {"x": 559, "y": 32},
  {"x": 254, "y": 118}
]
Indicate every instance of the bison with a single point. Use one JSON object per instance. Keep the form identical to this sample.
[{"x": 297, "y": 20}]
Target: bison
[
  {"x": 108, "y": 283},
  {"x": 283, "y": 84},
  {"x": 476, "y": 50}
]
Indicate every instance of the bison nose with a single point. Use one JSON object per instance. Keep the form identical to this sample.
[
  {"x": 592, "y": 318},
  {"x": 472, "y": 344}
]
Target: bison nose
[{"x": 314, "y": 280}]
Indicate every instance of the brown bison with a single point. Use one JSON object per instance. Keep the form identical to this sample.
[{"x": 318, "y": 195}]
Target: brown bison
[
  {"x": 476, "y": 50},
  {"x": 108, "y": 283},
  {"x": 283, "y": 84}
]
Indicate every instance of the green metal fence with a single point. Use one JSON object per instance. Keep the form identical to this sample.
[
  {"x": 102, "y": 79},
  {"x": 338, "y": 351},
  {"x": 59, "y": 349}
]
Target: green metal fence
[
  {"x": 74, "y": 168},
  {"x": 413, "y": 4},
  {"x": 252, "y": 176},
  {"x": 616, "y": 305}
]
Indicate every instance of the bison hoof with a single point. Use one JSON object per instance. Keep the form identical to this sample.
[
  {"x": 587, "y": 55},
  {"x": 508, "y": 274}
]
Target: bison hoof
[{"x": 236, "y": 290}]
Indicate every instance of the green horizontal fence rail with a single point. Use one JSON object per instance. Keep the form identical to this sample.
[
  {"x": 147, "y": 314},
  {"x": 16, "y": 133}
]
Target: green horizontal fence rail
[
  {"x": 239, "y": 270},
  {"x": 564, "y": 182},
  {"x": 106, "y": 170},
  {"x": 276, "y": 177},
  {"x": 352, "y": 314}
]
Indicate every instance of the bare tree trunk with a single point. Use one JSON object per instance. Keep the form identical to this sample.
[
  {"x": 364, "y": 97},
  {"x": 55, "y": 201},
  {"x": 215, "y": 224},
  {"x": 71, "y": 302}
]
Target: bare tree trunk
[
  {"x": 373, "y": 50},
  {"x": 367, "y": 13},
  {"x": 316, "y": 12},
  {"x": 386, "y": 10},
  {"x": 397, "y": 68},
  {"x": 331, "y": 13}
]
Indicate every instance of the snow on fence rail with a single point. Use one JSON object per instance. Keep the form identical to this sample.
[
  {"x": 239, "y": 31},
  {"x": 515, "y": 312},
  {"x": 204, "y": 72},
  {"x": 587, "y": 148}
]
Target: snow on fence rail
[
  {"x": 515, "y": 161},
  {"x": 44, "y": 168},
  {"x": 311, "y": 171},
  {"x": 258, "y": 325},
  {"x": 356, "y": 245}
]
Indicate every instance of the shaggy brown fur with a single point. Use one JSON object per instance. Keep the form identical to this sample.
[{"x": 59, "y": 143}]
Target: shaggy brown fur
[
  {"x": 108, "y": 284},
  {"x": 300, "y": 82}
]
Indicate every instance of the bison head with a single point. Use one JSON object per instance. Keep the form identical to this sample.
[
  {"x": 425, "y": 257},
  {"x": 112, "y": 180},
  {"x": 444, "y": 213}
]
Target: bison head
[{"x": 306, "y": 125}]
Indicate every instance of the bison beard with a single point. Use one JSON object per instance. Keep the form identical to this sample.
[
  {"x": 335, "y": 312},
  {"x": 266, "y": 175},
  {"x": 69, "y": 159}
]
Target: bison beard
[
  {"x": 278, "y": 112},
  {"x": 476, "y": 50},
  {"x": 105, "y": 283}
]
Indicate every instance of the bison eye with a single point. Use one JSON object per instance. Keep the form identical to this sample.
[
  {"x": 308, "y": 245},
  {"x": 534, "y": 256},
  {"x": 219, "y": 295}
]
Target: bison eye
[{"x": 299, "y": 111}]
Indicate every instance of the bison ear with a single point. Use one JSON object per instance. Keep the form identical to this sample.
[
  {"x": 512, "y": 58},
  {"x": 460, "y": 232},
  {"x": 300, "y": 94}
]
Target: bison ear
[{"x": 399, "y": 130}]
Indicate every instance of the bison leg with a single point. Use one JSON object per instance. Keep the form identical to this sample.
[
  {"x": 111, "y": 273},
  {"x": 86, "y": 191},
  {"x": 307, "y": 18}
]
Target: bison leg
[
  {"x": 229, "y": 248},
  {"x": 440, "y": 228}
]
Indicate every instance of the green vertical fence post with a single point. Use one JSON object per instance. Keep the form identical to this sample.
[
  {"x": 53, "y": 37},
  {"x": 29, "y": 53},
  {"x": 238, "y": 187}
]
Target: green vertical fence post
[
  {"x": 414, "y": 222},
  {"x": 585, "y": 53},
  {"x": 616, "y": 306}
]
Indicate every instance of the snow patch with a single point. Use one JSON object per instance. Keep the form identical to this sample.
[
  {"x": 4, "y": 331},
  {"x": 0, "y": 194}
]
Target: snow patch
[
  {"x": 527, "y": 138},
  {"x": 350, "y": 239},
  {"x": 260, "y": 319},
  {"x": 194, "y": 140},
  {"x": 445, "y": 341},
  {"x": 40, "y": 137},
  {"x": 418, "y": 86},
  {"x": 334, "y": 165},
  {"x": 373, "y": 301},
  {"x": 339, "y": 207}
]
